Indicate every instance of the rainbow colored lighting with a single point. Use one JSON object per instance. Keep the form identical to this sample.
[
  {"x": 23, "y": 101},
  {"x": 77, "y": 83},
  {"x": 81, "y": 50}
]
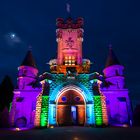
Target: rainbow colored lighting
[
  {"x": 44, "y": 111},
  {"x": 37, "y": 100},
  {"x": 98, "y": 110},
  {"x": 10, "y": 106},
  {"x": 38, "y": 111},
  {"x": 104, "y": 110}
]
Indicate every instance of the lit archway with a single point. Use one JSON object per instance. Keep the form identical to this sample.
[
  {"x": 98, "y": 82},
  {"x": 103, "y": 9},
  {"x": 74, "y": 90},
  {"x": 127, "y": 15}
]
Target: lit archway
[
  {"x": 82, "y": 91},
  {"x": 70, "y": 107}
]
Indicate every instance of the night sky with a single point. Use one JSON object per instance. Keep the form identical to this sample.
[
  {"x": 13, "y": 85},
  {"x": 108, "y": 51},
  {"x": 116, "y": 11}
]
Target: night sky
[{"x": 32, "y": 22}]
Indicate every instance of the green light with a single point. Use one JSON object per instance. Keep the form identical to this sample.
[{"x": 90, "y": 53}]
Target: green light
[
  {"x": 98, "y": 110},
  {"x": 44, "y": 111},
  {"x": 10, "y": 106}
]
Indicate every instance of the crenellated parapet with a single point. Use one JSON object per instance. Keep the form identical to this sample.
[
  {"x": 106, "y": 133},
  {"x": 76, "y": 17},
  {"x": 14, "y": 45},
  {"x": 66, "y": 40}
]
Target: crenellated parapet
[{"x": 69, "y": 23}]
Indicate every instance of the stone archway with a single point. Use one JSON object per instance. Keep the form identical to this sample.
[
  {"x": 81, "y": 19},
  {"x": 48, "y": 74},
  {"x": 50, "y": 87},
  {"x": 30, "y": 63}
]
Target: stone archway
[
  {"x": 83, "y": 91},
  {"x": 71, "y": 108}
]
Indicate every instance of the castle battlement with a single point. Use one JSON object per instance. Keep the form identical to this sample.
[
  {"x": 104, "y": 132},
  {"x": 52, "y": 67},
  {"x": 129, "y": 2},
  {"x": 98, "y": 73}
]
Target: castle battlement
[{"x": 69, "y": 23}]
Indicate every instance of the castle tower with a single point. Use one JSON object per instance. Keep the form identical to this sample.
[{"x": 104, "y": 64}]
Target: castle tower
[
  {"x": 118, "y": 102},
  {"x": 27, "y": 72},
  {"x": 69, "y": 52},
  {"x": 69, "y": 39},
  {"x": 23, "y": 107},
  {"x": 113, "y": 71}
]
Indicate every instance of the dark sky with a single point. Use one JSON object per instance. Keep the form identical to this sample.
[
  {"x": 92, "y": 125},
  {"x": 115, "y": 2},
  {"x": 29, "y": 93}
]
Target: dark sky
[{"x": 105, "y": 22}]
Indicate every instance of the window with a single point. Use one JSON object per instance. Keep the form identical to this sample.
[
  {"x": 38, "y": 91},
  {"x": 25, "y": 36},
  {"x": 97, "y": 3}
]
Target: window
[
  {"x": 122, "y": 99},
  {"x": 19, "y": 99},
  {"x": 64, "y": 98},
  {"x": 69, "y": 60},
  {"x": 77, "y": 99},
  {"x": 117, "y": 73},
  {"x": 24, "y": 72}
]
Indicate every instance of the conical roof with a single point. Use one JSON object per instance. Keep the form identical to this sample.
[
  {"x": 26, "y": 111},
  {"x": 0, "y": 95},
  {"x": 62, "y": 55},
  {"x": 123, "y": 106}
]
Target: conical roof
[
  {"x": 29, "y": 60},
  {"x": 111, "y": 59}
]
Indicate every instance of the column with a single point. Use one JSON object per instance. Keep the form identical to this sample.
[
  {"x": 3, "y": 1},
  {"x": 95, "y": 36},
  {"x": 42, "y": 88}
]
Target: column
[
  {"x": 52, "y": 114},
  {"x": 90, "y": 118}
]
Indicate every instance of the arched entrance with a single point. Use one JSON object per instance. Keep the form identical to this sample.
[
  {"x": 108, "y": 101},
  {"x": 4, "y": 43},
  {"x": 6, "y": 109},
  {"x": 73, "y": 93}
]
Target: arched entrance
[{"x": 70, "y": 109}]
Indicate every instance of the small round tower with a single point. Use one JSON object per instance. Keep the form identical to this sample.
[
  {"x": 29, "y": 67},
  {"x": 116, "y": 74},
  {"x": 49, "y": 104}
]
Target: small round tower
[
  {"x": 27, "y": 72},
  {"x": 113, "y": 71}
]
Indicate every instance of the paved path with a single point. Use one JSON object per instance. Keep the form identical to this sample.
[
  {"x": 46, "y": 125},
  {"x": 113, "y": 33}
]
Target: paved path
[{"x": 72, "y": 133}]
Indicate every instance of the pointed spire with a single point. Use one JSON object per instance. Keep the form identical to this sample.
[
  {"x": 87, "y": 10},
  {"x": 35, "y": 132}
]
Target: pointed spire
[
  {"x": 111, "y": 59},
  {"x": 30, "y": 48},
  {"x": 29, "y": 60}
]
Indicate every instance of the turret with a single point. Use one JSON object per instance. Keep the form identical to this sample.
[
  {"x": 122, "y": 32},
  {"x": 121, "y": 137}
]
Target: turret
[
  {"x": 27, "y": 72},
  {"x": 113, "y": 71},
  {"x": 69, "y": 37}
]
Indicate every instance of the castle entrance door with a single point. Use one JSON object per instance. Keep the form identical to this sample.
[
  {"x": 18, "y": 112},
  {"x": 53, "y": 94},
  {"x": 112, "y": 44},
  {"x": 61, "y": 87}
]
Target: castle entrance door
[{"x": 70, "y": 109}]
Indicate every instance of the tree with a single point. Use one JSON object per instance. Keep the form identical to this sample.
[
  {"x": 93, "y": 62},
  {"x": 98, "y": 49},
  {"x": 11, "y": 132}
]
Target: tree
[
  {"x": 6, "y": 92},
  {"x": 136, "y": 116},
  {"x": 6, "y": 96}
]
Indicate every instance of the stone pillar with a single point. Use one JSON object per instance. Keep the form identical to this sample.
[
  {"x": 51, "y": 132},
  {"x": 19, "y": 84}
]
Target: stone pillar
[
  {"x": 52, "y": 115},
  {"x": 90, "y": 118}
]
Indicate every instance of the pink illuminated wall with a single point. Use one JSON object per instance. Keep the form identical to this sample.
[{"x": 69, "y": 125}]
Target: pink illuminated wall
[{"x": 69, "y": 41}]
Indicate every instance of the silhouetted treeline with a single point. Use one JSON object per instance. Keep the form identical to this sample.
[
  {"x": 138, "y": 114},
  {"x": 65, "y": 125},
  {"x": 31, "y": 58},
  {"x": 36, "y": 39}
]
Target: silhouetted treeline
[
  {"x": 6, "y": 96},
  {"x": 136, "y": 116}
]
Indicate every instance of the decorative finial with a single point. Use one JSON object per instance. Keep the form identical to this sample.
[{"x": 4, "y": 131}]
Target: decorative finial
[
  {"x": 68, "y": 7},
  {"x": 110, "y": 46},
  {"x": 30, "y": 48}
]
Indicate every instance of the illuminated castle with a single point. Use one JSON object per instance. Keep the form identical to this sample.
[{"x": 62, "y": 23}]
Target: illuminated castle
[{"x": 70, "y": 94}]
